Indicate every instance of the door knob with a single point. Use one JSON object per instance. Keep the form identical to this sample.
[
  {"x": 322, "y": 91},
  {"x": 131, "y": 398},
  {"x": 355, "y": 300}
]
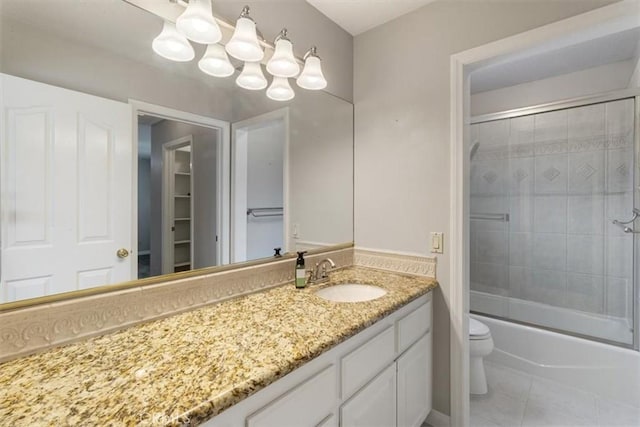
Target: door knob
[{"x": 122, "y": 253}]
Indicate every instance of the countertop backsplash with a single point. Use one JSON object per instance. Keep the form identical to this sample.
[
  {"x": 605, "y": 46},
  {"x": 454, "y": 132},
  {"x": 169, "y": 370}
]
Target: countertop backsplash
[{"x": 34, "y": 329}]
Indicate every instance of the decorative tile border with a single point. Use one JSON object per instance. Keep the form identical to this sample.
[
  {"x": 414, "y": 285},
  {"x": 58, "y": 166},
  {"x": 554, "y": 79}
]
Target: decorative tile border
[
  {"x": 29, "y": 330},
  {"x": 558, "y": 146},
  {"x": 395, "y": 262}
]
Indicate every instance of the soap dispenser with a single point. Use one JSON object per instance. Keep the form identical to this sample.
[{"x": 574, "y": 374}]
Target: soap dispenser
[{"x": 301, "y": 274}]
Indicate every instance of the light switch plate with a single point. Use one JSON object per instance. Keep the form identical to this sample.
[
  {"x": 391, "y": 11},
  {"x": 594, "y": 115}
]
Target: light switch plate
[{"x": 437, "y": 241}]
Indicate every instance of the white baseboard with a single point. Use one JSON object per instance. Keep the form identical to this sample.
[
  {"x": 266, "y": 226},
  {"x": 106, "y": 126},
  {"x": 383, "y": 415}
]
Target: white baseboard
[{"x": 438, "y": 419}]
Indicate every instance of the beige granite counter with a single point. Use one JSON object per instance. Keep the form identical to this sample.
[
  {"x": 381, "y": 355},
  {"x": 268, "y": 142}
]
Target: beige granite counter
[{"x": 193, "y": 365}]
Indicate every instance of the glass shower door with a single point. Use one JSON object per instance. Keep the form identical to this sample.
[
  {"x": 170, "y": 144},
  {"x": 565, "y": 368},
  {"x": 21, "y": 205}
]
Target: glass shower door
[{"x": 545, "y": 191}]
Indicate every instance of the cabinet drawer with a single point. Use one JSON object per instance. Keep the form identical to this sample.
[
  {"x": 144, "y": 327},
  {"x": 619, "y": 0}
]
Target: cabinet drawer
[
  {"x": 308, "y": 404},
  {"x": 413, "y": 326},
  {"x": 366, "y": 361}
]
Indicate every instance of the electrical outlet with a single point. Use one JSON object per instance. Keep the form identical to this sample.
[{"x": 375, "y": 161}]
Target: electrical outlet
[{"x": 437, "y": 241}]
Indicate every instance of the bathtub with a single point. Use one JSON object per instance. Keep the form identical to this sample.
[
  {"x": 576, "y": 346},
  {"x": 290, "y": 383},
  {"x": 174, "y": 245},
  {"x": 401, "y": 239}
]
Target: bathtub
[{"x": 608, "y": 371}]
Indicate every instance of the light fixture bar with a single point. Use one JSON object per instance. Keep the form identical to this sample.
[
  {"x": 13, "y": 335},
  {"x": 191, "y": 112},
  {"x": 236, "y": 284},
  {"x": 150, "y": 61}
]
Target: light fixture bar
[
  {"x": 197, "y": 24},
  {"x": 170, "y": 10}
]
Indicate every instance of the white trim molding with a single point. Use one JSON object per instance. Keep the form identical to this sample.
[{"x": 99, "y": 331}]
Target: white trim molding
[
  {"x": 223, "y": 156},
  {"x": 395, "y": 262},
  {"x": 607, "y": 20}
]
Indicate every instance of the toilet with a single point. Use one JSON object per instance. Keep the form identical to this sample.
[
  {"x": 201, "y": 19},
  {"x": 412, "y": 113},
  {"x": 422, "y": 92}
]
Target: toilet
[{"x": 480, "y": 345}]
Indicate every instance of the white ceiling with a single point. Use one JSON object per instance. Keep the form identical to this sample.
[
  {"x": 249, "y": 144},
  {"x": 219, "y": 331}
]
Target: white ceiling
[{"x": 358, "y": 16}]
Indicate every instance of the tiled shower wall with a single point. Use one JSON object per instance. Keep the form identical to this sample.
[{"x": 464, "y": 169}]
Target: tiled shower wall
[{"x": 562, "y": 177}]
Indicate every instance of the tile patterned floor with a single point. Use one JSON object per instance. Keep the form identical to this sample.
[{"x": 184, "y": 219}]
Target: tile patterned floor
[{"x": 519, "y": 399}]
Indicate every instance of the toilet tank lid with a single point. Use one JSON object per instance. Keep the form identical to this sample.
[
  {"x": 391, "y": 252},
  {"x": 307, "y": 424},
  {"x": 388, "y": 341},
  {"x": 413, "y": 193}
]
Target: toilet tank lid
[{"x": 477, "y": 328}]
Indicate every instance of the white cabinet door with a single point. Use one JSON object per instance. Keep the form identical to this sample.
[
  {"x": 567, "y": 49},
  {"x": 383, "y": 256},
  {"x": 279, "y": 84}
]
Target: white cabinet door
[
  {"x": 364, "y": 363},
  {"x": 309, "y": 404},
  {"x": 374, "y": 405},
  {"x": 414, "y": 383},
  {"x": 66, "y": 189}
]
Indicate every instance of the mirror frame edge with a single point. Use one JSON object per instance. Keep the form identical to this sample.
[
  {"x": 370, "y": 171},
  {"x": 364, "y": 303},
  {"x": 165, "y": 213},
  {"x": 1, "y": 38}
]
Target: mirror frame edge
[{"x": 105, "y": 289}]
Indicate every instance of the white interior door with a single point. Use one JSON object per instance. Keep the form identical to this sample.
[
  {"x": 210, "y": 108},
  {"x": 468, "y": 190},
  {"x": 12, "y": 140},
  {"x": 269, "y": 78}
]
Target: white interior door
[{"x": 66, "y": 190}]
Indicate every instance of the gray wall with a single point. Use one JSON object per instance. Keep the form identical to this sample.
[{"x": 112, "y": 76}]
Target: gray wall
[
  {"x": 203, "y": 174},
  {"x": 401, "y": 96}
]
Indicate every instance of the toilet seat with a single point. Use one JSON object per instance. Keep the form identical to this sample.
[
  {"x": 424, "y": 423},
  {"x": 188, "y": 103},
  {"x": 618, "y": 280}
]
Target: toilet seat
[{"x": 478, "y": 330}]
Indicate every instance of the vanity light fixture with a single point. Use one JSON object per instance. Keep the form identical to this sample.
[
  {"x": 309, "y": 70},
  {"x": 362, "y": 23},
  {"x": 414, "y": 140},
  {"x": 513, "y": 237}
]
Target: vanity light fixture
[
  {"x": 252, "y": 77},
  {"x": 215, "y": 62},
  {"x": 280, "y": 90},
  {"x": 244, "y": 43},
  {"x": 311, "y": 77},
  {"x": 283, "y": 63},
  {"x": 172, "y": 45},
  {"x": 198, "y": 24}
]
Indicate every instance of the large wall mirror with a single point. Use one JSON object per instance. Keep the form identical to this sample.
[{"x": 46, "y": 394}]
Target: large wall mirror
[{"x": 118, "y": 165}]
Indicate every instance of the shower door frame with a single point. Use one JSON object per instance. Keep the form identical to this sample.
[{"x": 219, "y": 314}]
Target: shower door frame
[{"x": 581, "y": 102}]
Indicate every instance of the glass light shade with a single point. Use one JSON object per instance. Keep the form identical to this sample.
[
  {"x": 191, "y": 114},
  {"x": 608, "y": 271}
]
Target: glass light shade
[
  {"x": 251, "y": 77},
  {"x": 280, "y": 90},
  {"x": 215, "y": 62},
  {"x": 311, "y": 77},
  {"x": 172, "y": 45},
  {"x": 198, "y": 24},
  {"x": 283, "y": 63},
  {"x": 244, "y": 42}
]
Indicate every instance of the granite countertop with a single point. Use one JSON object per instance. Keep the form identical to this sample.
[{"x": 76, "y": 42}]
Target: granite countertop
[{"x": 195, "y": 364}]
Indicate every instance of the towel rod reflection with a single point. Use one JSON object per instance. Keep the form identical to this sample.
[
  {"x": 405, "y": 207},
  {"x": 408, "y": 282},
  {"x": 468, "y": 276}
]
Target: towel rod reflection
[
  {"x": 503, "y": 217},
  {"x": 265, "y": 212}
]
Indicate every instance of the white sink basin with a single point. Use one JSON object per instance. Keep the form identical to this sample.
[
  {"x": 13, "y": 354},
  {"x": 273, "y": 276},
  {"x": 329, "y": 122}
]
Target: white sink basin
[{"x": 351, "y": 292}]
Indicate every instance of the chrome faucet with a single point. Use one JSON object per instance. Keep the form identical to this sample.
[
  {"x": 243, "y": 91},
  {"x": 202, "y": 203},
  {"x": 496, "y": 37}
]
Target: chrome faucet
[{"x": 319, "y": 273}]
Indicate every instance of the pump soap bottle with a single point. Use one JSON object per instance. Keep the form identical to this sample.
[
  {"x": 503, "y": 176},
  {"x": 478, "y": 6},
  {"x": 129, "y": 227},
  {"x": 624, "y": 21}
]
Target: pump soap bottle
[{"x": 301, "y": 274}]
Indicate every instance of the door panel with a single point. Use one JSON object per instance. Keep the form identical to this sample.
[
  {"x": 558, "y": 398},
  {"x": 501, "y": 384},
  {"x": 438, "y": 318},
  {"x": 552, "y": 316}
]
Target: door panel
[
  {"x": 66, "y": 190},
  {"x": 28, "y": 177},
  {"x": 95, "y": 170}
]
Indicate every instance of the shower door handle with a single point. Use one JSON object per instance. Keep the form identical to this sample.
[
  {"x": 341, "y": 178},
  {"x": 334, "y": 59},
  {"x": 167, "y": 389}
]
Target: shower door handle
[
  {"x": 623, "y": 224},
  {"x": 636, "y": 213}
]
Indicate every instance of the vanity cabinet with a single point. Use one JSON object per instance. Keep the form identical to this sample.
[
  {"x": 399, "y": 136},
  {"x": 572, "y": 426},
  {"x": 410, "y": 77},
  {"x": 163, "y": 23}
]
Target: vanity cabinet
[{"x": 379, "y": 377}]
